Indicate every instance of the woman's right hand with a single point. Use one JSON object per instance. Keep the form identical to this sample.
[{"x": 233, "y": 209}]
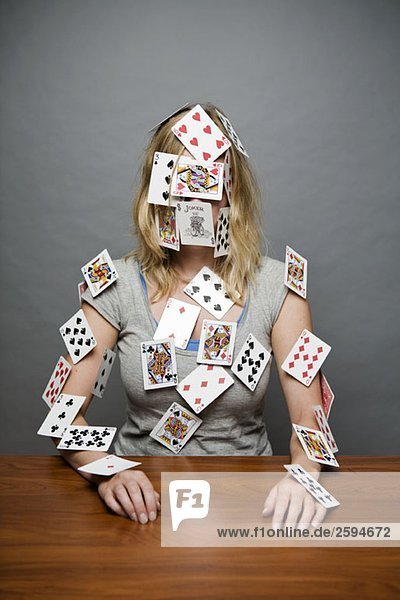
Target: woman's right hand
[{"x": 130, "y": 494}]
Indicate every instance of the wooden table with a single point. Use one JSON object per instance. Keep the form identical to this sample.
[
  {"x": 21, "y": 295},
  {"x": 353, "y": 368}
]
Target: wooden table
[{"x": 59, "y": 541}]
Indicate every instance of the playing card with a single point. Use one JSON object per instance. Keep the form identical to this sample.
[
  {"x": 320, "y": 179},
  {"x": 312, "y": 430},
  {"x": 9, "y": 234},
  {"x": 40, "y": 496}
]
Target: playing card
[
  {"x": 85, "y": 437},
  {"x": 217, "y": 342},
  {"x": 296, "y": 272},
  {"x": 175, "y": 428},
  {"x": 77, "y": 336},
  {"x": 159, "y": 364},
  {"x": 228, "y": 175},
  {"x": 103, "y": 373},
  {"x": 251, "y": 362},
  {"x": 195, "y": 223},
  {"x": 56, "y": 381},
  {"x": 61, "y": 415},
  {"x": 82, "y": 286},
  {"x": 208, "y": 290},
  {"x": 312, "y": 486},
  {"x": 99, "y": 273},
  {"x": 161, "y": 178},
  {"x": 315, "y": 445},
  {"x": 168, "y": 117},
  {"x": 194, "y": 180},
  {"x": 222, "y": 238},
  {"x": 167, "y": 228},
  {"x": 232, "y": 133},
  {"x": 108, "y": 465},
  {"x": 327, "y": 395},
  {"x": 203, "y": 385},
  {"x": 306, "y": 357},
  {"x": 200, "y": 135},
  {"x": 177, "y": 322},
  {"x": 324, "y": 427}
]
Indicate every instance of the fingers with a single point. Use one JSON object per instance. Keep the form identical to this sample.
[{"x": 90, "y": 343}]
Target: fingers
[
  {"x": 308, "y": 511},
  {"x": 319, "y": 515},
  {"x": 113, "y": 504},
  {"x": 145, "y": 499},
  {"x": 125, "y": 500},
  {"x": 270, "y": 502}
]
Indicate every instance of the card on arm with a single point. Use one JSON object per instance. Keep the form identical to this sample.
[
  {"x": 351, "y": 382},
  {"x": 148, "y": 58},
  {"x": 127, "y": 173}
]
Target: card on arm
[
  {"x": 161, "y": 178},
  {"x": 327, "y": 395},
  {"x": 251, "y": 362},
  {"x": 56, "y": 381},
  {"x": 306, "y": 357},
  {"x": 195, "y": 180},
  {"x": 222, "y": 237},
  {"x": 324, "y": 427},
  {"x": 104, "y": 372},
  {"x": 159, "y": 364},
  {"x": 232, "y": 133},
  {"x": 217, "y": 342},
  {"x": 177, "y": 322},
  {"x": 195, "y": 223},
  {"x": 61, "y": 415},
  {"x": 77, "y": 336},
  {"x": 315, "y": 445},
  {"x": 312, "y": 486},
  {"x": 203, "y": 385},
  {"x": 109, "y": 465},
  {"x": 208, "y": 290},
  {"x": 99, "y": 273},
  {"x": 85, "y": 437},
  {"x": 296, "y": 272},
  {"x": 175, "y": 428}
]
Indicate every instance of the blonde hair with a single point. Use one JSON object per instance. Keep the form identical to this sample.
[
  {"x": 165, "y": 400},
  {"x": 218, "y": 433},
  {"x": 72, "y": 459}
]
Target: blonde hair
[{"x": 240, "y": 264}]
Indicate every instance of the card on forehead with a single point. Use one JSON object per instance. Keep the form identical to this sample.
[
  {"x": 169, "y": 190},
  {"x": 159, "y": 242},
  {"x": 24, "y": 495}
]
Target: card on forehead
[
  {"x": 57, "y": 380},
  {"x": 167, "y": 227},
  {"x": 200, "y": 135},
  {"x": 306, "y": 357},
  {"x": 228, "y": 175},
  {"x": 324, "y": 427},
  {"x": 296, "y": 272},
  {"x": 169, "y": 117},
  {"x": 177, "y": 322},
  {"x": 103, "y": 373},
  {"x": 217, "y": 342},
  {"x": 315, "y": 445},
  {"x": 61, "y": 415},
  {"x": 109, "y": 465},
  {"x": 208, "y": 290},
  {"x": 195, "y": 223},
  {"x": 232, "y": 133},
  {"x": 251, "y": 362},
  {"x": 327, "y": 395},
  {"x": 194, "y": 180},
  {"x": 77, "y": 336},
  {"x": 222, "y": 237},
  {"x": 175, "y": 428},
  {"x": 82, "y": 286},
  {"x": 203, "y": 385},
  {"x": 99, "y": 273},
  {"x": 159, "y": 364},
  {"x": 312, "y": 486},
  {"x": 85, "y": 437},
  {"x": 161, "y": 178}
]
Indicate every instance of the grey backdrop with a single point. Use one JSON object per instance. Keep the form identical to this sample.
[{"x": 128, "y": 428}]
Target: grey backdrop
[{"x": 312, "y": 87}]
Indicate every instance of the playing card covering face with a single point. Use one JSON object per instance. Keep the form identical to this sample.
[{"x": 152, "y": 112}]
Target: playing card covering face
[
  {"x": 99, "y": 273},
  {"x": 167, "y": 228},
  {"x": 194, "y": 180},
  {"x": 228, "y": 175},
  {"x": 161, "y": 178},
  {"x": 175, "y": 428},
  {"x": 222, "y": 235},
  {"x": 195, "y": 223}
]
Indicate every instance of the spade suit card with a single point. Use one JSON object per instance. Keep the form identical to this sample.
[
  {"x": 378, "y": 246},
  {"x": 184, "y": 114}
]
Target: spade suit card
[
  {"x": 251, "y": 362},
  {"x": 167, "y": 227},
  {"x": 175, "y": 428},
  {"x": 324, "y": 427},
  {"x": 159, "y": 364},
  {"x": 208, "y": 290},
  {"x": 78, "y": 337},
  {"x": 306, "y": 357},
  {"x": 222, "y": 236},
  {"x": 315, "y": 445},
  {"x": 312, "y": 486},
  {"x": 217, "y": 342},
  {"x": 85, "y": 437},
  {"x": 108, "y": 465},
  {"x": 200, "y": 135},
  {"x": 99, "y": 273},
  {"x": 327, "y": 395},
  {"x": 228, "y": 175},
  {"x": 203, "y": 385},
  {"x": 177, "y": 322},
  {"x": 104, "y": 372},
  {"x": 233, "y": 136},
  {"x": 61, "y": 414},
  {"x": 57, "y": 381},
  {"x": 296, "y": 272},
  {"x": 161, "y": 178},
  {"x": 195, "y": 223},
  {"x": 194, "y": 180}
]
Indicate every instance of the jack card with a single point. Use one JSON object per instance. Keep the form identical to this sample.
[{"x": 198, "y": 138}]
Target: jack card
[
  {"x": 109, "y": 465},
  {"x": 61, "y": 415},
  {"x": 99, "y": 273},
  {"x": 85, "y": 437},
  {"x": 103, "y": 373},
  {"x": 296, "y": 272},
  {"x": 167, "y": 228},
  {"x": 194, "y": 180},
  {"x": 56, "y": 381},
  {"x": 312, "y": 486},
  {"x": 324, "y": 427},
  {"x": 232, "y": 133},
  {"x": 159, "y": 364},
  {"x": 175, "y": 428},
  {"x": 217, "y": 343},
  {"x": 177, "y": 322},
  {"x": 251, "y": 362},
  {"x": 222, "y": 237},
  {"x": 306, "y": 357},
  {"x": 77, "y": 336},
  {"x": 315, "y": 445},
  {"x": 203, "y": 385},
  {"x": 161, "y": 178},
  {"x": 208, "y": 290},
  {"x": 195, "y": 223}
]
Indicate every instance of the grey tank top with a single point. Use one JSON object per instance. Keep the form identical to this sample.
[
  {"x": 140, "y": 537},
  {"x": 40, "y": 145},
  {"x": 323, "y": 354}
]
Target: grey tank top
[{"x": 232, "y": 424}]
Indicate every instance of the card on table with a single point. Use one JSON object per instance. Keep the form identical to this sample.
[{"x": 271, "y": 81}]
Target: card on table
[
  {"x": 161, "y": 178},
  {"x": 195, "y": 180},
  {"x": 85, "y": 437},
  {"x": 232, "y": 133},
  {"x": 312, "y": 486},
  {"x": 200, "y": 135},
  {"x": 327, "y": 395},
  {"x": 251, "y": 362},
  {"x": 168, "y": 117},
  {"x": 222, "y": 237},
  {"x": 82, "y": 286},
  {"x": 208, "y": 290},
  {"x": 104, "y": 372},
  {"x": 100, "y": 273},
  {"x": 159, "y": 364},
  {"x": 296, "y": 272},
  {"x": 315, "y": 445},
  {"x": 167, "y": 228},
  {"x": 177, "y": 322},
  {"x": 109, "y": 465},
  {"x": 175, "y": 428},
  {"x": 203, "y": 385},
  {"x": 324, "y": 427},
  {"x": 195, "y": 223},
  {"x": 217, "y": 342},
  {"x": 56, "y": 381},
  {"x": 61, "y": 414},
  {"x": 306, "y": 357},
  {"x": 77, "y": 336},
  {"x": 228, "y": 175}
]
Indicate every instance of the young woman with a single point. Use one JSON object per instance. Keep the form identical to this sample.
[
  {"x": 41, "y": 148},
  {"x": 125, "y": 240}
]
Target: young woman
[{"x": 127, "y": 312}]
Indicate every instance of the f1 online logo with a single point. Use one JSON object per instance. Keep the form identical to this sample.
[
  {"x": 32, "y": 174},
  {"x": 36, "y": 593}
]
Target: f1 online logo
[{"x": 189, "y": 499}]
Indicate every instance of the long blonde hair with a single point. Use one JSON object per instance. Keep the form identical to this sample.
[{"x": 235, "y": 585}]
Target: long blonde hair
[{"x": 240, "y": 264}]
